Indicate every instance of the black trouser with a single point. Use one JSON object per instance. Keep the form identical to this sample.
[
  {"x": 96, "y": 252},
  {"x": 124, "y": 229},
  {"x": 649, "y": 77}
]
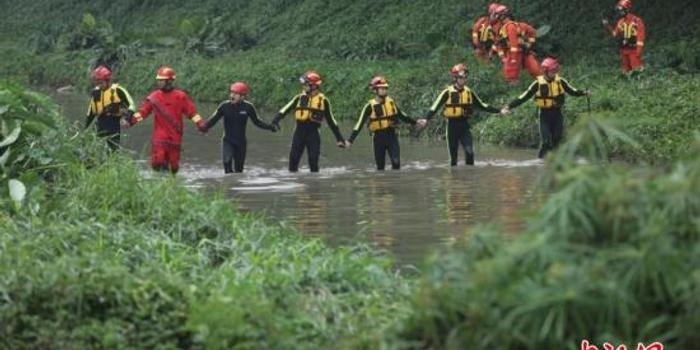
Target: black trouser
[
  {"x": 109, "y": 129},
  {"x": 458, "y": 132},
  {"x": 551, "y": 129},
  {"x": 305, "y": 136},
  {"x": 233, "y": 150},
  {"x": 386, "y": 141}
]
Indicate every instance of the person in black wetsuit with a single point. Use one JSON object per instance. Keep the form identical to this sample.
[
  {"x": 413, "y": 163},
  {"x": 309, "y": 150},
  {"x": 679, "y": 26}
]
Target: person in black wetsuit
[
  {"x": 458, "y": 102},
  {"x": 549, "y": 92},
  {"x": 236, "y": 112},
  {"x": 109, "y": 103},
  {"x": 383, "y": 115},
  {"x": 311, "y": 109}
]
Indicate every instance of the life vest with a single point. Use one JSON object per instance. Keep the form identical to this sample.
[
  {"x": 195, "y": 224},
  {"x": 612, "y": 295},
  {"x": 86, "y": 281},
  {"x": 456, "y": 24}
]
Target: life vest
[
  {"x": 310, "y": 108},
  {"x": 629, "y": 28},
  {"x": 484, "y": 32},
  {"x": 523, "y": 38},
  {"x": 459, "y": 103},
  {"x": 107, "y": 103},
  {"x": 383, "y": 114},
  {"x": 549, "y": 94}
]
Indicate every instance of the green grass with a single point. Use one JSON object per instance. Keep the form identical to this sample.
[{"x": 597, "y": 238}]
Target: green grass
[
  {"x": 97, "y": 256},
  {"x": 611, "y": 256}
]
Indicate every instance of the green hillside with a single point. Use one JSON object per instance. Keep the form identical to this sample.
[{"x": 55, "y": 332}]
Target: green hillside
[{"x": 270, "y": 43}]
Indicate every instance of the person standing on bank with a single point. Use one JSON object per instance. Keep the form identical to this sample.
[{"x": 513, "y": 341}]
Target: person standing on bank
[
  {"x": 109, "y": 104},
  {"x": 458, "y": 102},
  {"x": 549, "y": 91},
  {"x": 383, "y": 115},
  {"x": 311, "y": 109},
  {"x": 236, "y": 113}
]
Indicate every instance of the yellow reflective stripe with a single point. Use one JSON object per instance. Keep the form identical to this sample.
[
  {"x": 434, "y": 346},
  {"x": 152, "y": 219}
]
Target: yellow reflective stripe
[
  {"x": 358, "y": 125},
  {"x": 329, "y": 110},
  {"x": 436, "y": 104},
  {"x": 289, "y": 105},
  {"x": 129, "y": 100}
]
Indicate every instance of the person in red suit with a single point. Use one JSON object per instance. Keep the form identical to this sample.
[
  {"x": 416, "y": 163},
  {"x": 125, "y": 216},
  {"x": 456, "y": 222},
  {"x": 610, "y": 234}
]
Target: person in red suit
[
  {"x": 169, "y": 105},
  {"x": 513, "y": 43},
  {"x": 630, "y": 32}
]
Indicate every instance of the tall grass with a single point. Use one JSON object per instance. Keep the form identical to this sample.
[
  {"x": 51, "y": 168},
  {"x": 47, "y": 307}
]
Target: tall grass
[
  {"x": 98, "y": 256},
  {"x": 611, "y": 256}
]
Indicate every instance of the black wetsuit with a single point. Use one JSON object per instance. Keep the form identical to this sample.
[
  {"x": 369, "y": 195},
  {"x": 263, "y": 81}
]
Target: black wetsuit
[
  {"x": 107, "y": 124},
  {"x": 233, "y": 143},
  {"x": 551, "y": 119},
  {"x": 306, "y": 133},
  {"x": 458, "y": 129},
  {"x": 384, "y": 141}
]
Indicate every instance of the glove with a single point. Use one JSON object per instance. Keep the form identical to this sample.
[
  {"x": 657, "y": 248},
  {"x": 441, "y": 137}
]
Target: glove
[
  {"x": 131, "y": 120},
  {"x": 202, "y": 126},
  {"x": 273, "y": 128}
]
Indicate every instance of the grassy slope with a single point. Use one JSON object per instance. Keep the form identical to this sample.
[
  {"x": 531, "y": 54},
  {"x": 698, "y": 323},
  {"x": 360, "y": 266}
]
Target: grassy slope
[{"x": 412, "y": 43}]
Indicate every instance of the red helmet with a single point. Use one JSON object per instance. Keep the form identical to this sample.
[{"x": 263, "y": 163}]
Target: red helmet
[
  {"x": 550, "y": 65},
  {"x": 239, "y": 87},
  {"x": 165, "y": 73},
  {"x": 102, "y": 73},
  {"x": 501, "y": 10},
  {"x": 378, "y": 81},
  {"x": 492, "y": 7},
  {"x": 459, "y": 70},
  {"x": 625, "y": 4},
  {"x": 311, "y": 78}
]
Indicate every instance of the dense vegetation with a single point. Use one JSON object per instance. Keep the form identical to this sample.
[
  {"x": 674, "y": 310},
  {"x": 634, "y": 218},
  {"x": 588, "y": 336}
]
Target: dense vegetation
[
  {"x": 269, "y": 43},
  {"x": 95, "y": 256}
]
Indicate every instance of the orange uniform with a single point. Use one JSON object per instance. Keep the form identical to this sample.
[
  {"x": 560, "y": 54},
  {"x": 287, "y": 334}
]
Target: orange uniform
[
  {"x": 514, "y": 41},
  {"x": 631, "y": 34},
  {"x": 483, "y": 38}
]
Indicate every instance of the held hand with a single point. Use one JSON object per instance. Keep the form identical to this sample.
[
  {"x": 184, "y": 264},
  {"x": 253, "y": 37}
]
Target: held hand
[
  {"x": 605, "y": 22},
  {"x": 505, "y": 110},
  {"x": 276, "y": 125},
  {"x": 341, "y": 144},
  {"x": 202, "y": 126},
  {"x": 421, "y": 123},
  {"x": 348, "y": 143},
  {"x": 124, "y": 124},
  {"x": 589, "y": 93},
  {"x": 272, "y": 128}
]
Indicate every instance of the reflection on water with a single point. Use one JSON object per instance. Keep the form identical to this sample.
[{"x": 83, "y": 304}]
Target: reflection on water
[{"x": 408, "y": 212}]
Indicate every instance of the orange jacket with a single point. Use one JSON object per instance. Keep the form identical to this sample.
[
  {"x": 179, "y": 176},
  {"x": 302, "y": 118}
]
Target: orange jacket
[
  {"x": 630, "y": 30},
  {"x": 482, "y": 33},
  {"x": 513, "y": 35}
]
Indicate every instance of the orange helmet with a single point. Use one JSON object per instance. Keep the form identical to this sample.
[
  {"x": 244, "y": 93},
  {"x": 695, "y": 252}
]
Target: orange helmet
[
  {"x": 625, "y": 4},
  {"x": 239, "y": 87},
  {"x": 165, "y": 73},
  {"x": 378, "y": 81},
  {"x": 492, "y": 7},
  {"x": 501, "y": 10},
  {"x": 550, "y": 65},
  {"x": 311, "y": 78},
  {"x": 459, "y": 70},
  {"x": 102, "y": 73}
]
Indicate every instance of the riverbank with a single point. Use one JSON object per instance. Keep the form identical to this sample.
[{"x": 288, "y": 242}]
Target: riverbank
[{"x": 659, "y": 108}]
